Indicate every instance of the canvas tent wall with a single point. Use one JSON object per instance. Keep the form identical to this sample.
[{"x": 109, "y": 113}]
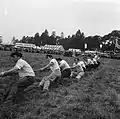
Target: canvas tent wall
[
  {"x": 74, "y": 50},
  {"x": 53, "y": 47},
  {"x": 25, "y": 45}
]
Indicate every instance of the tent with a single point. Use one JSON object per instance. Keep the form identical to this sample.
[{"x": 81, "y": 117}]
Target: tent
[{"x": 53, "y": 47}]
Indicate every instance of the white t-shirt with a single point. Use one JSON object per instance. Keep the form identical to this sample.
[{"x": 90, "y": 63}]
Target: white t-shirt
[
  {"x": 90, "y": 61},
  {"x": 74, "y": 64},
  {"x": 97, "y": 57},
  {"x": 78, "y": 68},
  {"x": 55, "y": 65},
  {"x": 64, "y": 65},
  {"x": 94, "y": 60},
  {"x": 82, "y": 64},
  {"x": 24, "y": 68}
]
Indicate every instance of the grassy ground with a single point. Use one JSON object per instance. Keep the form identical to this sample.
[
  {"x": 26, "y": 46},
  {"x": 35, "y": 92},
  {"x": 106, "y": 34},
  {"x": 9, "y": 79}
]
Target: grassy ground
[{"x": 95, "y": 96}]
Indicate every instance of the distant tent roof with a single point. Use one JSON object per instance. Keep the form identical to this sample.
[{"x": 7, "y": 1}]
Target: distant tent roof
[
  {"x": 53, "y": 47},
  {"x": 72, "y": 49},
  {"x": 25, "y": 45}
]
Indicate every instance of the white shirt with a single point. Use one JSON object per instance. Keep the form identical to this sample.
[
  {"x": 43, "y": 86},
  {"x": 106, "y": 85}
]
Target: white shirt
[
  {"x": 24, "y": 68},
  {"x": 79, "y": 68},
  {"x": 74, "y": 64},
  {"x": 82, "y": 64},
  {"x": 64, "y": 65},
  {"x": 90, "y": 61},
  {"x": 55, "y": 65},
  {"x": 97, "y": 57},
  {"x": 94, "y": 60}
]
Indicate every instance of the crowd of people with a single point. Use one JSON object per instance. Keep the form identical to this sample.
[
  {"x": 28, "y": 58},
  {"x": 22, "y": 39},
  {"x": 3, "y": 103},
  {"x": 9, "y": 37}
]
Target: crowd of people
[{"x": 60, "y": 69}]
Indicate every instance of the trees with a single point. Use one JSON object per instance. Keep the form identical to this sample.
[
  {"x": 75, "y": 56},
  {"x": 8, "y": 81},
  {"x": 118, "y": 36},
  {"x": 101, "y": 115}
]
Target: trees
[
  {"x": 27, "y": 39},
  {"x": 1, "y": 39},
  {"x": 37, "y": 40},
  {"x": 78, "y": 34},
  {"x": 93, "y": 42},
  {"x": 53, "y": 38},
  {"x": 44, "y": 38},
  {"x": 62, "y": 35},
  {"x": 14, "y": 40},
  {"x": 78, "y": 40},
  {"x": 23, "y": 40}
]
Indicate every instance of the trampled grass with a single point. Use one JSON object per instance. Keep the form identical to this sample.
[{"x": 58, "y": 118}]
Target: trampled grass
[{"x": 95, "y": 96}]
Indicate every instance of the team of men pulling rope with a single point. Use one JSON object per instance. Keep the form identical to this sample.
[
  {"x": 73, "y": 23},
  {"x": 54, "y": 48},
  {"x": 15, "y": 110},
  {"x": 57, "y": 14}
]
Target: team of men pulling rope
[{"x": 60, "y": 69}]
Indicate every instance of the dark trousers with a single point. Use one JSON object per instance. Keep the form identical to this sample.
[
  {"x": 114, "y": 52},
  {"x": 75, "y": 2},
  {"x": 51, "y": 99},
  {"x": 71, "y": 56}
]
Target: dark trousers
[
  {"x": 21, "y": 86},
  {"x": 66, "y": 73},
  {"x": 27, "y": 81},
  {"x": 16, "y": 89}
]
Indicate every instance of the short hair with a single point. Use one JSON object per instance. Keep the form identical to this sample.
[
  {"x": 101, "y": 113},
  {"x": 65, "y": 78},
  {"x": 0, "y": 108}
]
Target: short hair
[
  {"x": 18, "y": 54},
  {"x": 49, "y": 56},
  {"x": 58, "y": 59}
]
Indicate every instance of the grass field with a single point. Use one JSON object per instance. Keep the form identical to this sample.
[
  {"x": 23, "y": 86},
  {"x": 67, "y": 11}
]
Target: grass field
[{"x": 95, "y": 96}]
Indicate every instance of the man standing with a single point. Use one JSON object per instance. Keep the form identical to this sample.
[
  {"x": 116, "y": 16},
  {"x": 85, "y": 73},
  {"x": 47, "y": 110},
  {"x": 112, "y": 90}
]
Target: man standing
[
  {"x": 56, "y": 73},
  {"x": 25, "y": 71}
]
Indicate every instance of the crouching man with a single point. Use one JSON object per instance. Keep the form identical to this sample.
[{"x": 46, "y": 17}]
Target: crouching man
[
  {"x": 65, "y": 68},
  {"x": 77, "y": 69},
  {"x": 26, "y": 75},
  {"x": 56, "y": 73}
]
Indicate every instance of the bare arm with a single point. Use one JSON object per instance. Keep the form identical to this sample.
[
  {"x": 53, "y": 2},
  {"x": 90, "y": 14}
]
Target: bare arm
[
  {"x": 73, "y": 67},
  {"x": 46, "y": 67},
  {"x": 9, "y": 72}
]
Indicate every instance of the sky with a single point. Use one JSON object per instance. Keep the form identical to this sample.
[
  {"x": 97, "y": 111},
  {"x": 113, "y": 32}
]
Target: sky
[{"x": 26, "y": 17}]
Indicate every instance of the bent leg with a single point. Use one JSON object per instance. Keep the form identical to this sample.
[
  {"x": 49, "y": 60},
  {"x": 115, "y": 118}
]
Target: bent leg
[
  {"x": 52, "y": 77},
  {"x": 46, "y": 85},
  {"x": 42, "y": 81},
  {"x": 80, "y": 75}
]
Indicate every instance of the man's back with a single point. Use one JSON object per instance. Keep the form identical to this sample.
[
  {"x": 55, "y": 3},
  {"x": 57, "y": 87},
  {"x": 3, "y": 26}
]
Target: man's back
[
  {"x": 64, "y": 65},
  {"x": 55, "y": 65},
  {"x": 24, "y": 68}
]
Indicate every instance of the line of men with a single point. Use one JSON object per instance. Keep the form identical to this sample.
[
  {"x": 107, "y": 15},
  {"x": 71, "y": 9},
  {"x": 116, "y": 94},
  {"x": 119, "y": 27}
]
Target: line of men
[{"x": 59, "y": 70}]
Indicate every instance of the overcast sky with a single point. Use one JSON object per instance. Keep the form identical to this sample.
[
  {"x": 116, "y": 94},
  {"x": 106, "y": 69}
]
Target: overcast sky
[{"x": 26, "y": 17}]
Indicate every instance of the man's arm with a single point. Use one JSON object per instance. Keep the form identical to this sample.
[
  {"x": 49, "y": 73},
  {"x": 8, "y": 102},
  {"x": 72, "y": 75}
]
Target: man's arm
[
  {"x": 47, "y": 66},
  {"x": 73, "y": 67},
  {"x": 61, "y": 65},
  {"x": 9, "y": 72}
]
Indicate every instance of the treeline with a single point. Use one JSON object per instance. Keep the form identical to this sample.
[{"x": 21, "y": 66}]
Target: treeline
[{"x": 77, "y": 40}]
